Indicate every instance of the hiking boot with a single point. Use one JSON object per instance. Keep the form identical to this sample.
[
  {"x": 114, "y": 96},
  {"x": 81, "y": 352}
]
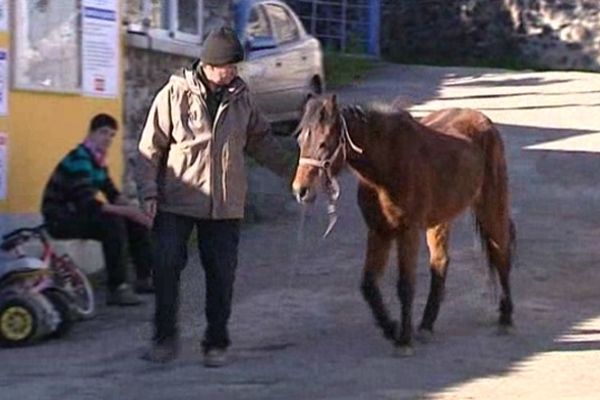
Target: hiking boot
[
  {"x": 144, "y": 286},
  {"x": 162, "y": 352},
  {"x": 215, "y": 358},
  {"x": 123, "y": 295}
]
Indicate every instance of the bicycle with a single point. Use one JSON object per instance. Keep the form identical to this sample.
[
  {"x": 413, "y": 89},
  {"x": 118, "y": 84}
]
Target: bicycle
[{"x": 39, "y": 295}]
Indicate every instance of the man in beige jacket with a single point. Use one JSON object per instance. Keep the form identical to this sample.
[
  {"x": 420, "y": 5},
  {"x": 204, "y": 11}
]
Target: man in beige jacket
[{"x": 191, "y": 174}]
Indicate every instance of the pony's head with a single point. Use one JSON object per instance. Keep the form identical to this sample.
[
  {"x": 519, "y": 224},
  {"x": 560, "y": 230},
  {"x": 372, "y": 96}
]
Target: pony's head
[{"x": 321, "y": 141}]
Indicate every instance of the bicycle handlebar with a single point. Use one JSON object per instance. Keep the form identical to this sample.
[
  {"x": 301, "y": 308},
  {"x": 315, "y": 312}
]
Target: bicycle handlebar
[{"x": 21, "y": 235}]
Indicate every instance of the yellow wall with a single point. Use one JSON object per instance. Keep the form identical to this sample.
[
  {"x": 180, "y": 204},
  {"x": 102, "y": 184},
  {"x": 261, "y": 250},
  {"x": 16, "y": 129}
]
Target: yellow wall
[{"x": 42, "y": 128}]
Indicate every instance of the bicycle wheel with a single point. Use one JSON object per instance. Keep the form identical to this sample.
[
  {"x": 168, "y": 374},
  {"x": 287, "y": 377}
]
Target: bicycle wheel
[
  {"x": 22, "y": 319},
  {"x": 71, "y": 279},
  {"x": 62, "y": 303},
  {"x": 85, "y": 303}
]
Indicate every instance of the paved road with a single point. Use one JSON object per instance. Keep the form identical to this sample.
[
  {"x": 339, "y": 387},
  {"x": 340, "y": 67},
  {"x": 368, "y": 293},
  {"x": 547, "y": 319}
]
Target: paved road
[{"x": 300, "y": 327}]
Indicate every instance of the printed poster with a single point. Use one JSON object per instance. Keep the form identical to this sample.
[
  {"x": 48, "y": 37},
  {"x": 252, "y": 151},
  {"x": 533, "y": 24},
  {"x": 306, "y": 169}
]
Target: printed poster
[
  {"x": 100, "y": 48},
  {"x": 3, "y": 165},
  {"x": 3, "y": 15},
  {"x": 3, "y": 82}
]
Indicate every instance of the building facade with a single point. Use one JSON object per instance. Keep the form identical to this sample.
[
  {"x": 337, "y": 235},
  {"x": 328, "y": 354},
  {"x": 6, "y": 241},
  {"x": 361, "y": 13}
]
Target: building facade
[{"x": 60, "y": 64}]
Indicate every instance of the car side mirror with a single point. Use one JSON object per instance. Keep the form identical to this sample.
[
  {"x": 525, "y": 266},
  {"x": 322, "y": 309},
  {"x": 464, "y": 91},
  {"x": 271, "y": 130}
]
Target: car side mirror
[{"x": 260, "y": 43}]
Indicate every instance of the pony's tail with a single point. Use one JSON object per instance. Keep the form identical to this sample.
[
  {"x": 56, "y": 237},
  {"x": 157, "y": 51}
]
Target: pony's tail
[
  {"x": 489, "y": 248},
  {"x": 496, "y": 230}
]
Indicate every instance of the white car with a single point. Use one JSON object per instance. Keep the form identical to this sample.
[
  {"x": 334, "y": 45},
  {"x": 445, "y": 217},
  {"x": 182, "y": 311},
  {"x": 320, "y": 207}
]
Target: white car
[{"x": 283, "y": 63}]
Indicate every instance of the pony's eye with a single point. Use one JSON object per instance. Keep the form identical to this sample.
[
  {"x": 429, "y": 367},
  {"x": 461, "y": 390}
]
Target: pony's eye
[{"x": 322, "y": 145}]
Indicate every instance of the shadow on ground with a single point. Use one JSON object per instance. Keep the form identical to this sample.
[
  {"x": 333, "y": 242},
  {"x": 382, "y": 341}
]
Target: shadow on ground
[{"x": 300, "y": 327}]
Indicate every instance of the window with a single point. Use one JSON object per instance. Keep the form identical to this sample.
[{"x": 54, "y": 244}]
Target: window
[
  {"x": 258, "y": 25},
  {"x": 188, "y": 17},
  {"x": 46, "y": 45},
  {"x": 284, "y": 25},
  {"x": 175, "y": 19}
]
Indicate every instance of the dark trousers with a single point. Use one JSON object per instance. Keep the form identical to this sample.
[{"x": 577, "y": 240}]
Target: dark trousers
[
  {"x": 115, "y": 233},
  {"x": 218, "y": 246}
]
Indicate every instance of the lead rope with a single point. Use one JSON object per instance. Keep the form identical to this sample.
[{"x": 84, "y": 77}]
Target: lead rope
[{"x": 332, "y": 186}]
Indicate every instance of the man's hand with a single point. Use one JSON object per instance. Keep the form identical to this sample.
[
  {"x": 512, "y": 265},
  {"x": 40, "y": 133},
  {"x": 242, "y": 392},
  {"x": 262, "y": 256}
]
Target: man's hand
[
  {"x": 149, "y": 206},
  {"x": 130, "y": 212},
  {"x": 139, "y": 216},
  {"x": 121, "y": 200}
]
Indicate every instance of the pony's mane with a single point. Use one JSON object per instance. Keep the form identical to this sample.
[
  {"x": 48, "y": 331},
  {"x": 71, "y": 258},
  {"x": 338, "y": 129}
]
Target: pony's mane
[
  {"x": 308, "y": 117},
  {"x": 374, "y": 114},
  {"x": 390, "y": 109},
  {"x": 369, "y": 114}
]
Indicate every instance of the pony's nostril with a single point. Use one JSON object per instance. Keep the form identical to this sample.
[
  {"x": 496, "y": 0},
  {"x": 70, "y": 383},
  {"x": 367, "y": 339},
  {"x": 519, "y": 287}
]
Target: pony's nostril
[{"x": 302, "y": 192}]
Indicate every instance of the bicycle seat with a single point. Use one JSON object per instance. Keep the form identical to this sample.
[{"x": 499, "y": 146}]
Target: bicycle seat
[{"x": 10, "y": 265}]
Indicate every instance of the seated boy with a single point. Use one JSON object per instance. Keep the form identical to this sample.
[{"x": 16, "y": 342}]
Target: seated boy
[{"x": 71, "y": 210}]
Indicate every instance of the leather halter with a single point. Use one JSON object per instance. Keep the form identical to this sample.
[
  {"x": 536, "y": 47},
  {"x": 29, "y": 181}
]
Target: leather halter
[{"x": 331, "y": 183}]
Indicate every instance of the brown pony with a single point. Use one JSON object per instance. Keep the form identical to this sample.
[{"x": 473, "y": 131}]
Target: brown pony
[{"x": 412, "y": 175}]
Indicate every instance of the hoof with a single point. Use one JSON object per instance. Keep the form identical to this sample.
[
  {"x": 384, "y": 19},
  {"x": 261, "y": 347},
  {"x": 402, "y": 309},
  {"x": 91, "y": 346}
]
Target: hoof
[
  {"x": 391, "y": 331},
  {"x": 404, "y": 351},
  {"x": 504, "y": 330},
  {"x": 424, "y": 336}
]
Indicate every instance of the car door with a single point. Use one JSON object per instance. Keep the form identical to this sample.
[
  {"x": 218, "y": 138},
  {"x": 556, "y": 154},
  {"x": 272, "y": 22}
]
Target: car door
[
  {"x": 258, "y": 70},
  {"x": 290, "y": 61}
]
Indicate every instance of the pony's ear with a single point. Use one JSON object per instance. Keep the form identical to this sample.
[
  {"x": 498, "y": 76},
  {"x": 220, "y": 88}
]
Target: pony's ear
[
  {"x": 334, "y": 100},
  {"x": 331, "y": 104}
]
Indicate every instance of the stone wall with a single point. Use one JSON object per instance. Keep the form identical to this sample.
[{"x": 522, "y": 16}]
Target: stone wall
[
  {"x": 561, "y": 34},
  {"x": 441, "y": 31},
  {"x": 556, "y": 34},
  {"x": 146, "y": 71}
]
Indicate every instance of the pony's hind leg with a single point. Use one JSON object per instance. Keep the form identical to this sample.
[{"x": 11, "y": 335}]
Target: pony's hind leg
[
  {"x": 497, "y": 237},
  {"x": 437, "y": 241},
  {"x": 378, "y": 249},
  {"x": 499, "y": 258},
  {"x": 492, "y": 214},
  {"x": 407, "y": 242}
]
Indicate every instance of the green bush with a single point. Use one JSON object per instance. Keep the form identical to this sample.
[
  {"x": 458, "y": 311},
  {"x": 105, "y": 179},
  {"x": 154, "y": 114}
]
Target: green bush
[{"x": 343, "y": 69}]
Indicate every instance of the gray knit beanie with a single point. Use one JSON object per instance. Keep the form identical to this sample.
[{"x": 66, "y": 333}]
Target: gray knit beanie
[{"x": 221, "y": 47}]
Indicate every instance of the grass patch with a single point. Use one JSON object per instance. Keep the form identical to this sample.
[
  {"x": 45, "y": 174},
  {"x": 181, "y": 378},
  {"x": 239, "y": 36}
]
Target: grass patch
[
  {"x": 509, "y": 63},
  {"x": 343, "y": 69}
]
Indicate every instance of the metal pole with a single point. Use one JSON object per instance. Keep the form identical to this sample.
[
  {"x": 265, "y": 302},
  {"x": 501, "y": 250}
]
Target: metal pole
[
  {"x": 374, "y": 27},
  {"x": 313, "y": 19},
  {"x": 343, "y": 35},
  {"x": 241, "y": 13}
]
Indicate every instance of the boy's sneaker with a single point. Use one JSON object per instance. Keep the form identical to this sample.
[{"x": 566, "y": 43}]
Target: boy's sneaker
[
  {"x": 162, "y": 352},
  {"x": 123, "y": 295},
  {"x": 215, "y": 358}
]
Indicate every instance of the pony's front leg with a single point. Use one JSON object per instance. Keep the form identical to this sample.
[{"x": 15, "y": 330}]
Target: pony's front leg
[
  {"x": 408, "y": 247},
  {"x": 378, "y": 249},
  {"x": 437, "y": 241}
]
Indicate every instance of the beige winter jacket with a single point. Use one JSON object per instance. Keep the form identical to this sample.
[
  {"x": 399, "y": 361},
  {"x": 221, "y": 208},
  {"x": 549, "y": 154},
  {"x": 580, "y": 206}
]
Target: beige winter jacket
[{"x": 194, "y": 166}]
